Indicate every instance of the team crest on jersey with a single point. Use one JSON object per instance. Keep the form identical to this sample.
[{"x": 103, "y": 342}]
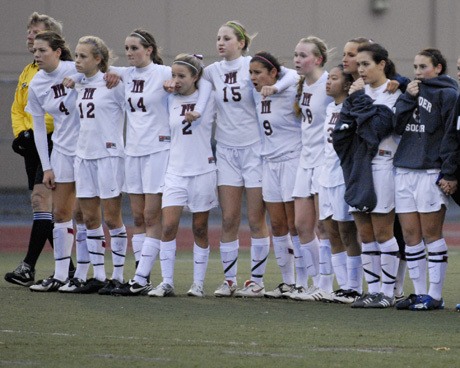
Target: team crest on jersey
[
  {"x": 265, "y": 106},
  {"x": 110, "y": 145},
  {"x": 230, "y": 78},
  {"x": 211, "y": 160},
  {"x": 59, "y": 90},
  {"x": 24, "y": 85},
  {"x": 164, "y": 138}
]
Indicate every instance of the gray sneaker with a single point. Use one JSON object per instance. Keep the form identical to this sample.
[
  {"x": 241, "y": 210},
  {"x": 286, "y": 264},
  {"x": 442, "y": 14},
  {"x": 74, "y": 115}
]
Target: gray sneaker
[
  {"x": 364, "y": 300},
  {"x": 279, "y": 291},
  {"x": 47, "y": 285},
  {"x": 381, "y": 301},
  {"x": 23, "y": 275},
  {"x": 162, "y": 290}
]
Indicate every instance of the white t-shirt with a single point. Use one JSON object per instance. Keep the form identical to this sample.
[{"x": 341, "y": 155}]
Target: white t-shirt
[
  {"x": 280, "y": 127},
  {"x": 147, "y": 129},
  {"x": 313, "y": 102},
  {"x": 190, "y": 152},
  {"x": 101, "y": 117},
  {"x": 388, "y": 145},
  {"x": 331, "y": 173},
  {"x": 48, "y": 94}
]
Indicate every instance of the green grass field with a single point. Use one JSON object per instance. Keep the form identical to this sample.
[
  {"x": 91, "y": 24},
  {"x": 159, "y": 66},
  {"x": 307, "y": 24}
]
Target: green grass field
[{"x": 58, "y": 330}]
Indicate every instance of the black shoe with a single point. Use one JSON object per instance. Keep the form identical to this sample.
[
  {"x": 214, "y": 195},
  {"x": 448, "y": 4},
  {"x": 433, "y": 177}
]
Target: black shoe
[
  {"x": 92, "y": 286},
  {"x": 23, "y": 275},
  {"x": 109, "y": 286}
]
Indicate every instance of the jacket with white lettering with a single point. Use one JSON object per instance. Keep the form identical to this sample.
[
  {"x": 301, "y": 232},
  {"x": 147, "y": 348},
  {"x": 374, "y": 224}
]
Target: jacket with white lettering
[
  {"x": 361, "y": 128},
  {"x": 422, "y": 122}
]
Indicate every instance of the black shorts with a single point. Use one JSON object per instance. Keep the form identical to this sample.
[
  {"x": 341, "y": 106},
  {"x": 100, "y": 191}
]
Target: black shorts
[{"x": 33, "y": 165}]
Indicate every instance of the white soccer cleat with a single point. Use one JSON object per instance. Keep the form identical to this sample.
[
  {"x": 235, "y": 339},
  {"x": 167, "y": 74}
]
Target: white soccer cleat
[
  {"x": 227, "y": 289},
  {"x": 196, "y": 290},
  {"x": 251, "y": 289},
  {"x": 162, "y": 290},
  {"x": 279, "y": 291}
]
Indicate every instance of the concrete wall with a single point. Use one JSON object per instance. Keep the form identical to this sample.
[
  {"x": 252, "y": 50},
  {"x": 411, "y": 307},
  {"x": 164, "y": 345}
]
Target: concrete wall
[{"x": 191, "y": 26}]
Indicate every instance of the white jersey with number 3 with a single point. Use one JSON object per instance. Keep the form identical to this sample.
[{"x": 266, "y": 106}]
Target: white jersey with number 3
[
  {"x": 190, "y": 152},
  {"x": 313, "y": 102},
  {"x": 102, "y": 118}
]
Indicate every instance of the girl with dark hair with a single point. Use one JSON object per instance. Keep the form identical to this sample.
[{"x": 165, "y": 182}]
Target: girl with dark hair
[
  {"x": 424, "y": 159},
  {"x": 48, "y": 94},
  {"x": 364, "y": 136}
]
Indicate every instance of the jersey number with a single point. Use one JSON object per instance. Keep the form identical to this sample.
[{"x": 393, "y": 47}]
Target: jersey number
[
  {"x": 267, "y": 127},
  {"x": 236, "y": 95},
  {"x": 140, "y": 104},
  {"x": 187, "y": 127},
  {"x": 89, "y": 113},
  {"x": 63, "y": 109},
  {"x": 308, "y": 115}
]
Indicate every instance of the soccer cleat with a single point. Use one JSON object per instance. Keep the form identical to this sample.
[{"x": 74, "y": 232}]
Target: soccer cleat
[
  {"x": 131, "y": 288},
  {"x": 91, "y": 286},
  {"x": 227, "y": 289},
  {"x": 381, "y": 301},
  {"x": 196, "y": 290},
  {"x": 109, "y": 286},
  {"x": 407, "y": 302},
  {"x": 162, "y": 290},
  {"x": 251, "y": 289},
  {"x": 72, "y": 285},
  {"x": 426, "y": 302},
  {"x": 23, "y": 275},
  {"x": 345, "y": 296},
  {"x": 279, "y": 291},
  {"x": 299, "y": 292},
  {"x": 47, "y": 285},
  {"x": 364, "y": 300},
  {"x": 315, "y": 295}
]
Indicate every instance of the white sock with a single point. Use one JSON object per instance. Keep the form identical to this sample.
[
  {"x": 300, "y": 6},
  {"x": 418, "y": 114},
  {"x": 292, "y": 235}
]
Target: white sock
[
  {"x": 339, "y": 264},
  {"x": 390, "y": 262},
  {"x": 229, "y": 259},
  {"x": 400, "y": 277},
  {"x": 167, "y": 260},
  {"x": 118, "y": 245},
  {"x": 326, "y": 272},
  {"x": 310, "y": 253},
  {"x": 260, "y": 249},
  {"x": 355, "y": 273},
  {"x": 300, "y": 268},
  {"x": 371, "y": 259},
  {"x": 83, "y": 261},
  {"x": 63, "y": 241},
  {"x": 138, "y": 242},
  {"x": 284, "y": 254},
  {"x": 95, "y": 240},
  {"x": 149, "y": 254},
  {"x": 437, "y": 267},
  {"x": 200, "y": 263},
  {"x": 416, "y": 263}
]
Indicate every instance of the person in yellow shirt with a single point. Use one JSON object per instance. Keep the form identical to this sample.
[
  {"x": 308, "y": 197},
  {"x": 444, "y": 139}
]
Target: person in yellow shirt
[{"x": 23, "y": 144}]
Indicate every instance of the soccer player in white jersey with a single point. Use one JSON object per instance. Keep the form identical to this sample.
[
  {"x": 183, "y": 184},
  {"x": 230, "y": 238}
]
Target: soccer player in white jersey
[
  {"x": 99, "y": 165},
  {"x": 147, "y": 150},
  {"x": 190, "y": 180},
  {"x": 310, "y": 56},
  {"x": 281, "y": 146},
  {"x": 238, "y": 152},
  {"x": 370, "y": 103},
  {"x": 333, "y": 210},
  {"x": 48, "y": 94}
]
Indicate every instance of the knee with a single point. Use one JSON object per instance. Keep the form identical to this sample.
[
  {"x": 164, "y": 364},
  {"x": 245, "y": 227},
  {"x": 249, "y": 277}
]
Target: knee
[
  {"x": 40, "y": 202},
  {"x": 230, "y": 224},
  {"x": 200, "y": 231},
  {"x": 169, "y": 232},
  {"x": 152, "y": 219},
  {"x": 138, "y": 219}
]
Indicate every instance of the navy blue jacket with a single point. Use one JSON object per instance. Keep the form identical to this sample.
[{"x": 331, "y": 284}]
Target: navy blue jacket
[
  {"x": 356, "y": 138},
  {"x": 422, "y": 122}
]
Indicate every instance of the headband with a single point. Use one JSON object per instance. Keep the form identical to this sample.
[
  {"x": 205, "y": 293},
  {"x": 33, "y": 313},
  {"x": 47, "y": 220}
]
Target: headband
[
  {"x": 186, "y": 63},
  {"x": 256, "y": 56},
  {"x": 140, "y": 36},
  {"x": 236, "y": 27}
]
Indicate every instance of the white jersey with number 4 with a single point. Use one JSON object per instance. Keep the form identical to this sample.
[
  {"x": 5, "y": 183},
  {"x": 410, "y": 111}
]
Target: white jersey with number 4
[
  {"x": 102, "y": 118},
  {"x": 190, "y": 152},
  {"x": 313, "y": 102},
  {"x": 48, "y": 94}
]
